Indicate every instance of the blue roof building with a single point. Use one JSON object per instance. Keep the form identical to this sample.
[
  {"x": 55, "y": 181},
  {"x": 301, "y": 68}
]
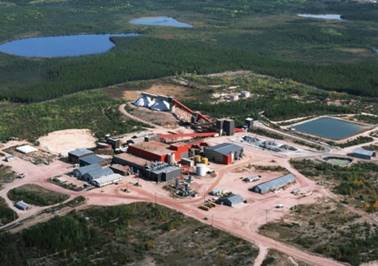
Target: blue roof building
[
  {"x": 21, "y": 205},
  {"x": 91, "y": 159},
  {"x": 225, "y": 153},
  {"x": 231, "y": 200},
  {"x": 79, "y": 172},
  {"x": 273, "y": 184},
  {"x": 362, "y": 153},
  {"x": 75, "y": 155},
  {"x": 97, "y": 173}
]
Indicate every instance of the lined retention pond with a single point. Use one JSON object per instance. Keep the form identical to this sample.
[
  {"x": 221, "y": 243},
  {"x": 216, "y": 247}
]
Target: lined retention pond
[
  {"x": 62, "y": 46},
  {"x": 329, "y": 128}
]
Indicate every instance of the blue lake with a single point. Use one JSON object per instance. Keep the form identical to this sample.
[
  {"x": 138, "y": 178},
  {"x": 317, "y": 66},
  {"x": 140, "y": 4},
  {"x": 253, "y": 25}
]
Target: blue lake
[
  {"x": 322, "y": 16},
  {"x": 62, "y": 46},
  {"x": 159, "y": 21},
  {"x": 330, "y": 128}
]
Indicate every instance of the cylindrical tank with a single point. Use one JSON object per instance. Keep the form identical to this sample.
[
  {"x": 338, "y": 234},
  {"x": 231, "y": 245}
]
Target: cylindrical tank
[
  {"x": 171, "y": 158},
  {"x": 197, "y": 158},
  {"x": 201, "y": 169}
]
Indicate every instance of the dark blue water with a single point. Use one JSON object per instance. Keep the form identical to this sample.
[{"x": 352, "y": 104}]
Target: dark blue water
[
  {"x": 159, "y": 21},
  {"x": 330, "y": 128},
  {"x": 62, "y": 46}
]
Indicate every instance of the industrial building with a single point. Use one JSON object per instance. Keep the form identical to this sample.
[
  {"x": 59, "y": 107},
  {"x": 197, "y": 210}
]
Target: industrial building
[
  {"x": 273, "y": 184},
  {"x": 75, "y": 155},
  {"x": 162, "y": 152},
  {"x": 79, "y": 172},
  {"x": 225, "y": 126},
  {"x": 154, "y": 171},
  {"x": 161, "y": 172},
  {"x": 97, "y": 173},
  {"x": 106, "y": 180},
  {"x": 225, "y": 153},
  {"x": 230, "y": 200},
  {"x": 362, "y": 153},
  {"x": 91, "y": 159},
  {"x": 151, "y": 150},
  {"x": 21, "y": 205},
  {"x": 26, "y": 149}
]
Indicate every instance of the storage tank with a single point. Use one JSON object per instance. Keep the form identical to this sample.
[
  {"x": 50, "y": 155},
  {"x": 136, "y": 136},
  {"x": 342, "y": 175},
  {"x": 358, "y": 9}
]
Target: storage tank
[
  {"x": 197, "y": 158},
  {"x": 201, "y": 169},
  {"x": 205, "y": 161}
]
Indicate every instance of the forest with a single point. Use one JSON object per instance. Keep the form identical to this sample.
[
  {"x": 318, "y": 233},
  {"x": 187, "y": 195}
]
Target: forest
[
  {"x": 263, "y": 36},
  {"x": 127, "y": 234}
]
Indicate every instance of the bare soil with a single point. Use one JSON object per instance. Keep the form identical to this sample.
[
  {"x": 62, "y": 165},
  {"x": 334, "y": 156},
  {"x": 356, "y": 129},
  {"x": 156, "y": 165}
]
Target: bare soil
[{"x": 63, "y": 141}]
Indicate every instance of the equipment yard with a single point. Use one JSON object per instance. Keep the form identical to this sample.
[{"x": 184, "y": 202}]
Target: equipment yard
[{"x": 210, "y": 170}]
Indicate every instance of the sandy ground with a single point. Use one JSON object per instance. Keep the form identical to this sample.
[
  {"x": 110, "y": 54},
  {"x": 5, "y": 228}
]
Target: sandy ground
[
  {"x": 165, "y": 119},
  {"x": 63, "y": 141},
  {"x": 178, "y": 91}
]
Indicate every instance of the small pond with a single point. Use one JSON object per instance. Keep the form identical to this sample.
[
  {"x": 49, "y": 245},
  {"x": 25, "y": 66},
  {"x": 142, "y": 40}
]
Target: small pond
[
  {"x": 322, "y": 16},
  {"x": 62, "y": 46},
  {"x": 159, "y": 21},
  {"x": 329, "y": 128}
]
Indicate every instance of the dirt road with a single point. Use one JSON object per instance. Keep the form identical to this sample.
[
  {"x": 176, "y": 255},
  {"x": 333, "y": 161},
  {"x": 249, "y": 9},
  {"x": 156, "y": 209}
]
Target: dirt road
[{"x": 122, "y": 110}]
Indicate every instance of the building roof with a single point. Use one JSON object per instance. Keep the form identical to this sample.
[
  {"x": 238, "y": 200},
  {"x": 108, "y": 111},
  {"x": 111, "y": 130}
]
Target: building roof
[
  {"x": 26, "y": 149},
  {"x": 364, "y": 152},
  {"x": 96, "y": 173},
  {"x": 91, "y": 159},
  {"x": 107, "y": 179},
  {"x": 21, "y": 204},
  {"x": 80, "y": 152},
  {"x": 167, "y": 169},
  {"x": 233, "y": 199},
  {"x": 132, "y": 159},
  {"x": 86, "y": 169},
  {"x": 275, "y": 183},
  {"x": 154, "y": 147},
  {"x": 225, "y": 148}
]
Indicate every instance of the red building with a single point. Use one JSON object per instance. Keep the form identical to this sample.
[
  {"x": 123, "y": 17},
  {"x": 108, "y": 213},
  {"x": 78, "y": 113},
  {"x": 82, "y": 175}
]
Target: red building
[{"x": 158, "y": 151}]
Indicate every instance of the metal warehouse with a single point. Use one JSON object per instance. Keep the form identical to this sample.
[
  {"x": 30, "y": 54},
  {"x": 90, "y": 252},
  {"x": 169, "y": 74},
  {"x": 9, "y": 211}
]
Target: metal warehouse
[
  {"x": 362, "y": 153},
  {"x": 158, "y": 151},
  {"x": 97, "y": 173},
  {"x": 106, "y": 180},
  {"x": 75, "y": 155},
  {"x": 225, "y": 153},
  {"x": 231, "y": 200},
  {"x": 151, "y": 150},
  {"x": 134, "y": 162},
  {"x": 91, "y": 159},
  {"x": 21, "y": 205},
  {"x": 155, "y": 171},
  {"x": 274, "y": 184},
  {"x": 79, "y": 172},
  {"x": 162, "y": 172}
]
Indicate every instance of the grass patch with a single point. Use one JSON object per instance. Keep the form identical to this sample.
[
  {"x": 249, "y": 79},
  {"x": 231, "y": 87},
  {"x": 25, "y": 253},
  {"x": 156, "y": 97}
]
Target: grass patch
[
  {"x": 328, "y": 229},
  {"x": 357, "y": 183},
  {"x": 276, "y": 258},
  {"x": 121, "y": 235},
  {"x": 6, "y": 175},
  {"x": 7, "y": 215},
  {"x": 93, "y": 110},
  {"x": 36, "y": 195},
  {"x": 356, "y": 141}
]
